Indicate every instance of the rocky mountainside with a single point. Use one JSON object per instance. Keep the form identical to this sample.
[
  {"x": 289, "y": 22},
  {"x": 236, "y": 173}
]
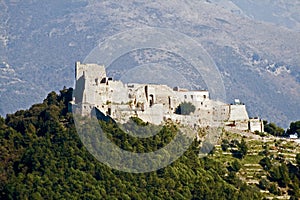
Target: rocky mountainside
[
  {"x": 258, "y": 57},
  {"x": 279, "y": 12}
]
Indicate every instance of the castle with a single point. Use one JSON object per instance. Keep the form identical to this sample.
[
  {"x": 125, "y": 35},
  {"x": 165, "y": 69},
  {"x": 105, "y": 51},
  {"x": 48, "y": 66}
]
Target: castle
[{"x": 153, "y": 103}]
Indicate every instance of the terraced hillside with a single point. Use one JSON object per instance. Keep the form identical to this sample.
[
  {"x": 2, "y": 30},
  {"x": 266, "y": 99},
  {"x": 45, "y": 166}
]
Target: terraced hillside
[{"x": 269, "y": 163}]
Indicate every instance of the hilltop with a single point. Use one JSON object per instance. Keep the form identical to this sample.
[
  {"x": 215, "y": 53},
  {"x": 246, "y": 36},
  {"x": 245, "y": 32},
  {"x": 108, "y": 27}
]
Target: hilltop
[
  {"x": 43, "y": 157},
  {"x": 257, "y": 58}
]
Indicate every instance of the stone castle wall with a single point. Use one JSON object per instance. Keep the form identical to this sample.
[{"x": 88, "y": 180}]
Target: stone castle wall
[{"x": 152, "y": 103}]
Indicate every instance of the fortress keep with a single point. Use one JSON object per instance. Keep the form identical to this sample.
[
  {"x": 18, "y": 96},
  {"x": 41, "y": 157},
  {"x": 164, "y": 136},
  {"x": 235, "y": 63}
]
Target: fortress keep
[{"x": 153, "y": 103}]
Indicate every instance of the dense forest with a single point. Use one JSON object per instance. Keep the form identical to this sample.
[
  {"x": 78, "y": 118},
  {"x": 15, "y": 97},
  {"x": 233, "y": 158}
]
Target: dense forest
[{"x": 42, "y": 157}]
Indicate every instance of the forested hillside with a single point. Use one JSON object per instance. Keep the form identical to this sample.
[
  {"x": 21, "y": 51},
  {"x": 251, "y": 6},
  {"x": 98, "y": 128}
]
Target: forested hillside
[{"x": 42, "y": 157}]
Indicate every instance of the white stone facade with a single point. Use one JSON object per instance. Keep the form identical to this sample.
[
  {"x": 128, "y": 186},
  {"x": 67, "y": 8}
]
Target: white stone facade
[{"x": 152, "y": 103}]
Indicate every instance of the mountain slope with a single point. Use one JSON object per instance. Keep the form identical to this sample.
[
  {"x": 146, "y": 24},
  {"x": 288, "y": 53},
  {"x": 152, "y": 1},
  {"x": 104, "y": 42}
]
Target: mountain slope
[{"x": 258, "y": 61}]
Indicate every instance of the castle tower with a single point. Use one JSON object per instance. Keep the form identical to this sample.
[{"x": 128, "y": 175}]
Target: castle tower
[
  {"x": 92, "y": 71},
  {"x": 87, "y": 78}
]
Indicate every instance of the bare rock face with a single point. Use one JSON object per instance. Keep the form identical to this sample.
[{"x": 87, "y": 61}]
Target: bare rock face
[{"x": 255, "y": 46}]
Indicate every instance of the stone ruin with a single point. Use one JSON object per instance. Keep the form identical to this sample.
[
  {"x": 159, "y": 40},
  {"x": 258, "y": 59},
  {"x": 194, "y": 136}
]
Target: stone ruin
[{"x": 152, "y": 103}]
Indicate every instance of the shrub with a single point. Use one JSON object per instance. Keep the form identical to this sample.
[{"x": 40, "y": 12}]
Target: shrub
[{"x": 185, "y": 108}]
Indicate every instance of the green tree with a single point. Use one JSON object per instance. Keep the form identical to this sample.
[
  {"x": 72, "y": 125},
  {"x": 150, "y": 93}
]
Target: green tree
[
  {"x": 273, "y": 129},
  {"x": 264, "y": 184},
  {"x": 236, "y": 165},
  {"x": 280, "y": 174},
  {"x": 243, "y": 148},
  {"x": 298, "y": 160},
  {"x": 294, "y": 128},
  {"x": 225, "y": 144},
  {"x": 266, "y": 163},
  {"x": 185, "y": 108},
  {"x": 274, "y": 189}
]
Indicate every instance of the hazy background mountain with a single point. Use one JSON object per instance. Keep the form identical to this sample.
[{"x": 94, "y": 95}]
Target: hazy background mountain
[{"x": 255, "y": 44}]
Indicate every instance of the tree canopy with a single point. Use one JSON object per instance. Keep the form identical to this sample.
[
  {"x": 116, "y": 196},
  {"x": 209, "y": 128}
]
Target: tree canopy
[
  {"x": 42, "y": 157},
  {"x": 294, "y": 128},
  {"x": 273, "y": 129},
  {"x": 185, "y": 108}
]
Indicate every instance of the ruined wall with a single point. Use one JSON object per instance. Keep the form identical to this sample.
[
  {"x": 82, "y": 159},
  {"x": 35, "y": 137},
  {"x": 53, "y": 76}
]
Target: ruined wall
[
  {"x": 154, "y": 115},
  {"x": 87, "y": 77},
  {"x": 93, "y": 71},
  {"x": 256, "y": 125},
  {"x": 238, "y": 113},
  {"x": 192, "y": 96},
  {"x": 153, "y": 103}
]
